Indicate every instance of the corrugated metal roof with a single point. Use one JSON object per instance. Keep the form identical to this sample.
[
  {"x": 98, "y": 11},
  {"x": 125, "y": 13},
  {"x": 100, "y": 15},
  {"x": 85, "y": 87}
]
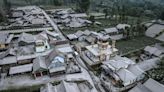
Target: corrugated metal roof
[
  {"x": 8, "y": 60},
  {"x": 39, "y": 64},
  {"x": 20, "y": 69},
  {"x": 111, "y": 30}
]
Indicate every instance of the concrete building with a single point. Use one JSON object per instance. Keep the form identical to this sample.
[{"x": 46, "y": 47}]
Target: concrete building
[{"x": 100, "y": 52}]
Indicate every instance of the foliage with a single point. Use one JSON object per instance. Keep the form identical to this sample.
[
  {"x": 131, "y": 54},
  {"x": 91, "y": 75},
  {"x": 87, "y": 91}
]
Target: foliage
[
  {"x": 7, "y": 5},
  {"x": 106, "y": 11},
  {"x": 84, "y": 5}
]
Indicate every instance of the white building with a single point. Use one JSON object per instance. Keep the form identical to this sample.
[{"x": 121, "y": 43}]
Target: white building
[{"x": 101, "y": 51}]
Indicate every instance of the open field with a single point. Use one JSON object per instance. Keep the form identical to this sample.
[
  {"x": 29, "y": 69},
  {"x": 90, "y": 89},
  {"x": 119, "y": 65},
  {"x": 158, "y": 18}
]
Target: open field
[{"x": 126, "y": 46}]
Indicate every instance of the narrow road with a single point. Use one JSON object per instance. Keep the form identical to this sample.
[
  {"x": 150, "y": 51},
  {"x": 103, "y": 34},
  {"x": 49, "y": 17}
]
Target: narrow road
[{"x": 55, "y": 27}]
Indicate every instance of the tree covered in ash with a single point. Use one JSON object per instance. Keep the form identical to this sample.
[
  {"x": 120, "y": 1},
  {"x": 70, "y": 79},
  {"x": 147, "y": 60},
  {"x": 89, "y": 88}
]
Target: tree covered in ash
[
  {"x": 4, "y": 9},
  {"x": 158, "y": 73},
  {"x": 162, "y": 15},
  {"x": 83, "y": 5}
]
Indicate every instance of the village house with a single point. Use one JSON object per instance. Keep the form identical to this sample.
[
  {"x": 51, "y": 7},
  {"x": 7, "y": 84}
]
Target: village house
[
  {"x": 17, "y": 14},
  {"x": 122, "y": 70},
  {"x": 123, "y": 26},
  {"x": 153, "y": 51},
  {"x": 26, "y": 39},
  {"x": 98, "y": 15},
  {"x": 68, "y": 86},
  {"x": 55, "y": 63},
  {"x": 114, "y": 33},
  {"x": 27, "y": 17},
  {"x": 72, "y": 37},
  {"x": 111, "y": 31},
  {"x": 7, "y": 60},
  {"x": 68, "y": 18},
  {"x": 156, "y": 31},
  {"x": 39, "y": 67},
  {"x": 149, "y": 86}
]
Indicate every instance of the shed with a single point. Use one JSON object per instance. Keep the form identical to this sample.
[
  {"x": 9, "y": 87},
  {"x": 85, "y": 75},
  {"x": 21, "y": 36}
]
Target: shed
[
  {"x": 122, "y": 26},
  {"x": 72, "y": 36},
  {"x": 38, "y": 21},
  {"x": 111, "y": 30},
  {"x": 79, "y": 33},
  {"x": 79, "y": 15}
]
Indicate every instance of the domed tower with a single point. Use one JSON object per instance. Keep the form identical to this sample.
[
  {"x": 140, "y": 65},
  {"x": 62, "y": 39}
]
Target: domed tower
[{"x": 103, "y": 43}]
